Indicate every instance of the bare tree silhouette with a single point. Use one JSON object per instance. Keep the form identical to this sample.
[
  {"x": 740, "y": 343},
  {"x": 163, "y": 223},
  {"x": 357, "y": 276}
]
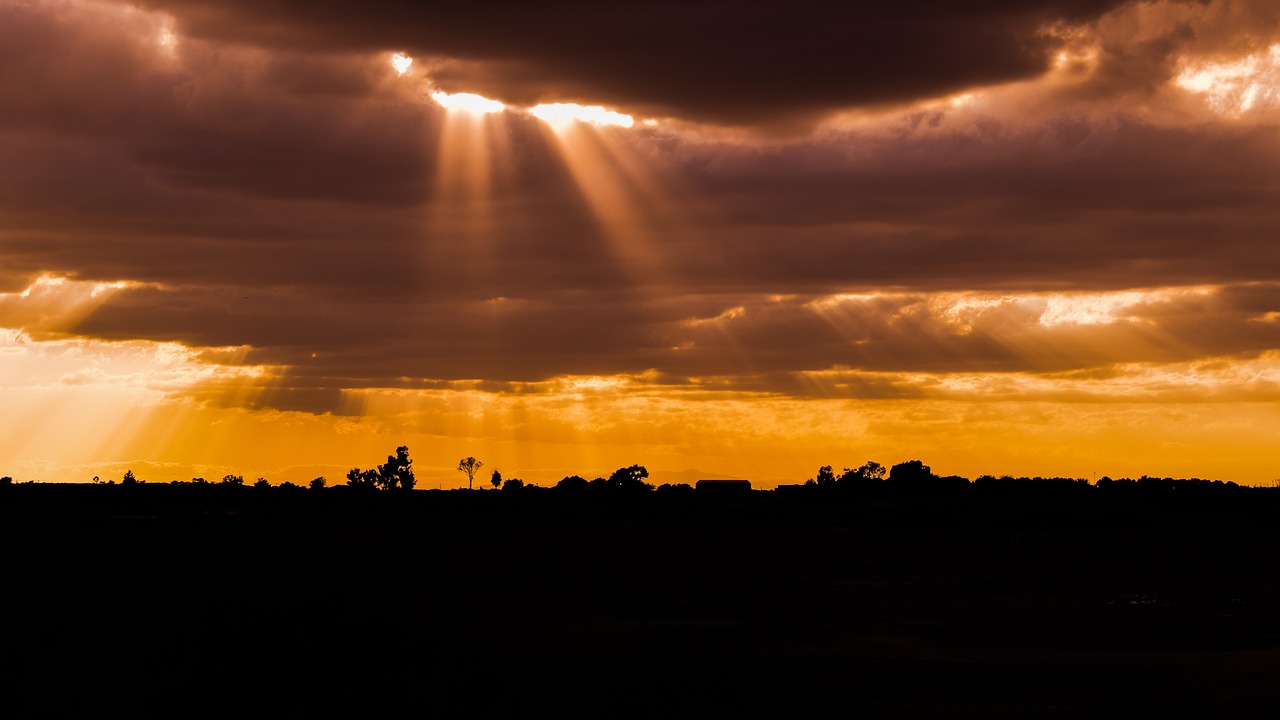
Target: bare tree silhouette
[{"x": 470, "y": 466}]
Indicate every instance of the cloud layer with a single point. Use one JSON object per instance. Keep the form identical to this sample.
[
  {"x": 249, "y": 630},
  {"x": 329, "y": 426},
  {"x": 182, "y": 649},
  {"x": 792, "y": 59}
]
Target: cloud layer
[{"x": 1037, "y": 200}]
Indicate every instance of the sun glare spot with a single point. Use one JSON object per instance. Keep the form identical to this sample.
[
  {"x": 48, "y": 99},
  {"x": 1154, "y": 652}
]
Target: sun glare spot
[
  {"x": 561, "y": 114},
  {"x": 1236, "y": 87},
  {"x": 469, "y": 102},
  {"x": 401, "y": 63}
]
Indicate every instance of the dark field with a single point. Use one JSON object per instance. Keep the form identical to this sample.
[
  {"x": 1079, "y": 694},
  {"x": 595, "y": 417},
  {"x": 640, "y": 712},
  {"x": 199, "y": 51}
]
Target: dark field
[{"x": 999, "y": 603}]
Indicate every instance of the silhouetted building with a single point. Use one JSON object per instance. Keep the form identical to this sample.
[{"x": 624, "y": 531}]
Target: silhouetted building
[{"x": 724, "y": 485}]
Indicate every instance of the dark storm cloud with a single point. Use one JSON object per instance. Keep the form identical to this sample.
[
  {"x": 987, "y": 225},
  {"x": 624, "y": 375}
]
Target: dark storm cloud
[{"x": 727, "y": 62}]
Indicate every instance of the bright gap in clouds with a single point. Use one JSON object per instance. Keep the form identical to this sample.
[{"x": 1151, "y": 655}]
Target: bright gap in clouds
[
  {"x": 469, "y": 102},
  {"x": 559, "y": 114},
  {"x": 1236, "y": 87},
  {"x": 401, "y": 63}
]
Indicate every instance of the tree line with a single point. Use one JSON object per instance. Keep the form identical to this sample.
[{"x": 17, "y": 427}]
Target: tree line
[{"x": 396, "y": 474}]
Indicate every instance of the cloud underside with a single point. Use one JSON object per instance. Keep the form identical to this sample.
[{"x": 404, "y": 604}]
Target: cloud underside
[
  {"x": 1001, "y": 199},
  {"x": 727, "y": 62}
]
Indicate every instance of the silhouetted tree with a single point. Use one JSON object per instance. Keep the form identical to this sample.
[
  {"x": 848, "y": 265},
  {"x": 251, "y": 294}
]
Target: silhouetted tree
[
  {"x": 910, "y": 471},
  {"x": 199, "y": 481},
  {"x": 470, "y": 466},
  {"x": 870, "y": 471},
  {"x": 496, "y": 479},
  {"x": 513, "y": 484},
  {"x": 572, "y": 483},
  {"x": 232, "y": 480},
  {"x": 914, "y": 475},
  {"x": 261, "y": 483},
  {"x": 6, "y": 480},
  {"x": 825, "y": 477},
  {"x": 629, "y": 478},
  {"x": 129, "y": 478},
  {"x": 397, "y": 472},
  {"x": 366, "y": 479},
  {"x": 318, "y": 483}
]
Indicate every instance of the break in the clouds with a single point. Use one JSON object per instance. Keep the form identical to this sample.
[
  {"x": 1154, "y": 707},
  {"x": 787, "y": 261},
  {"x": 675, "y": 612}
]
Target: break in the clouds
[{"x": 303, "y": 205}]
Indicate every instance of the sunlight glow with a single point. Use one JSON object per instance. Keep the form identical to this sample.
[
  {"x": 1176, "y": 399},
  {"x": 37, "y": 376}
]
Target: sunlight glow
[
  {"x": 732, "y": 313},
  {"x": 1076, "y": 60},
  {"x": 401, "y": 63},
  {"x": 118, "y": 399},
  {"x": 168, "y": 40},
  {"x": 54, "y": 304},
  {"x": 1203, "y": 380},
  {"x": 469, "y": 102},
  {"x": 1052, "y": 309},
  {"x": 473, "y": 155},
  {"x": 561, "y": 114},
  {"x": 627, "y": 195},
  {"x": 1112, "y": 307},
  {"x": 1236, "y": 87}
]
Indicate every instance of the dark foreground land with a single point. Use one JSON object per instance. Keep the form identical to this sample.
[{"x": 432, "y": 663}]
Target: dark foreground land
[{"x": 994, "y": 603}]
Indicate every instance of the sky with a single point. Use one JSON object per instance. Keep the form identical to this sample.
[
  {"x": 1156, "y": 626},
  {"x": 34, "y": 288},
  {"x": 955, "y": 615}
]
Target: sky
[{"x": 718, "y": 239}]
